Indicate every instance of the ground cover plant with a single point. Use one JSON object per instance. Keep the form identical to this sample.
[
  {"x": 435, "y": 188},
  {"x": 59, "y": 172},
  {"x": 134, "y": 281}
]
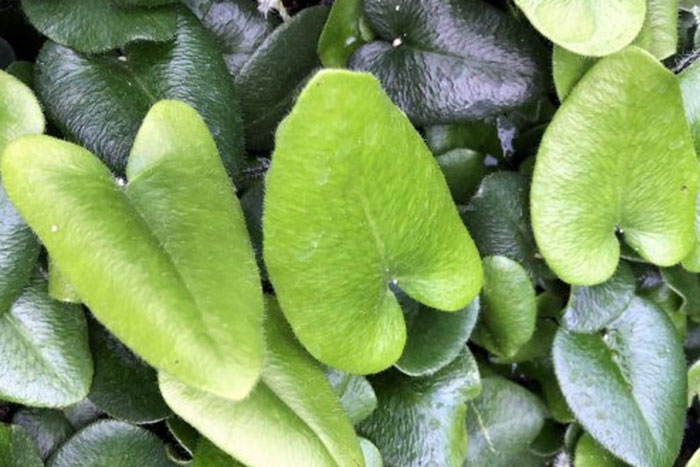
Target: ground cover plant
[{"x": 349, "y": 233}]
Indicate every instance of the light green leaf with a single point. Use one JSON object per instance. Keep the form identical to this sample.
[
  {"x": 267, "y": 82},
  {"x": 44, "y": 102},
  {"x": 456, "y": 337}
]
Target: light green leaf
[
  {"x": 693, "y": 382},
  {"x": 17, "y": 448},
  {"x": 445, "y": 61},
  {"x": 44, "y": 355},
  {"x": 202, "y": 282},
  {"x": 355, "y": 393},
  {"x": 584, "y": 26},
  {"x": 568, "y": 68},
  {"x": 689, "y": 80},
  {"x": 509, "y": 309},
  {"x": 48, "y": 428},
  {"x": 111, "y": 443},
  {"x": 501, "y": 424},
  {"x": 20, "y": 113},
  {"x": 373, "y": 458},
  {"x": 590, "y": 309},
  {"x": 97, "y": 26},
  {"x": 695, "y": 460},
  {"x": 420, "y": 421},
  {"x": 659, "y": 34},
  {"x": 591, "y": 454},
  {"x": 273, "y": 77},
  {"x": 342, "y": 34},
  {"x": 116, "y": 91},
  {"x": 361, "y": 220},
  {"x": 627, "y": 386},
  {"x": 59, "y": 288},
  {"x": 291, "y": 418},
  {"x": 650, "y": 200}
]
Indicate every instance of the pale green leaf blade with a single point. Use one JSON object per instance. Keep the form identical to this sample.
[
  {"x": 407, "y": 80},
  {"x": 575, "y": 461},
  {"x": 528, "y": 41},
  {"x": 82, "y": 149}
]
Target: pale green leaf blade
[
  {"x": 20, "y": 113},
  {"x": 659, "y": 34},
  {"x": 591, "y": 454},
  {"x": 568, "y": 68}
]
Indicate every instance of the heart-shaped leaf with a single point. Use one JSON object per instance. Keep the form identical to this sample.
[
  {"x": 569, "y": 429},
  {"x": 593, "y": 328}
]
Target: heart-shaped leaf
[
  {"x": 343, "y": 33},
  {"x": 202, "y": 282},
  {"x": 48, "y": 428},
  {"x": 44, "y": 355},
  {"x": 627, "y": 387},
  {"x": 123, "y": 386},
  {"x": 420, "y": 421},
  {"x": 100, "y": 25},
  {"x": 645, "y": 177},
  {"x": 237, "y": 25},
  {"x": 590, "y": 309},
  {"x": 112, "y": 443},
  {"x": 355, "y": 393},
  {"x": 501, "y": 424},
  {"x": 17, "y": 448},
  {"x": 584, "y": 26},
  {"x": 291, "y": 418},
  {"x": 444, "y": 61},
  {"x": 115, "y": 91},
  {"x": 362, "y": 221},
  {"x": 20, "y": 113},
  {"x": 591, "y": 454},
  {"x": 270, "y": 81},
  {"x": 509, "y": 309}
]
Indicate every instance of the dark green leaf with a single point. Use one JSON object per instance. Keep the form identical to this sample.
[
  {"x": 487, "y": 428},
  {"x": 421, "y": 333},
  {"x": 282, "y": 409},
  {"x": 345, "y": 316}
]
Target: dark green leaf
[
  {"x": 48, "y": 428},
  {"x": 17, "y": 448},
  {"x": 82, "y": 413},
  {"x": 355, "y": 393},
  {"x": 463, "y": 170},
  {"x": 23, "y": 71},
  {"x": 687, "y": 286},
  {"x": 208, "y": 455},
  {"x": 183, "y": 432},
  {"x": 342, "y": 34},
  {"x": 591, "y": 454},
  {"x": 477, "y": 136}
]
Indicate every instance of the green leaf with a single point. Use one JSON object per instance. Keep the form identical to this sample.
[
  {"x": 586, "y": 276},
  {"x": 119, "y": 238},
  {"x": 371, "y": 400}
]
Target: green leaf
[
  {"x": 111, "y": 443},
  {"x": 20, "y": 113},
  {"x": 373, "y": 458},
  {"x": 693, "y": 382},
  {"x": 568, "y": 68},
  {"x": 498, "y": 217},
  {"x": 151, "y": 233},
  {"x": 648, "y": 200},
  {"x": 509, "y": 309},
  {"x": 44, "y": 355},
  {"x": 584, "y": 26},
  {"x": 361, "y": 221},
  {"x": 59, "y": 288},
  {"x": 17, "y": 448},
  {"x": 82, "y": 413},
  {"x": 355, "y": 393},
  {"x": 291, "y": 418},
  {"x": 116, "y": 91},
  {"x": 342, "y": 34},
  {"x": 695, "y": 460},
  {"x": 7, "y": 54},
  {"x": 420, "y": 421},
  {"x": 542, "y": 370},
  {"x": 183, "y": 433},
  {"x": 123, "y": 386},
  {"x": 627, "y": 386},
  {"x": 689, "y": 80},
  {"x": 273, "y": 77},
  {"x": 687, "y": 286},
  {"x": 208, "y": 455},
  {"x": 501, "y": 424},
  {"x": 463, "y": 170},
  {"x": 435, "y": 338},
  {"x": 659, "y": 34},
  {"x": 23, "y": 71},
  {"x": 97, "y": 26},
  {"x": 237, "y": 25},
  {"x": 48, "y": 428},
  {"x": 591, "y": 454},
  {"x": 445, "y": 61},
  {"x": 475, "y": 135},
  {"x": 590, "y": 309}
]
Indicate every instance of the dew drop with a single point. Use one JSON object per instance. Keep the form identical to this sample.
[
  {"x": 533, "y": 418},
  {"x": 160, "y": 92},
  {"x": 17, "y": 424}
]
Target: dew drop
[
  {"x": 121, "y": 58},
  {"x": 398, "y": 7},
  {"x": 397, "y": 42},
  {"x": 120, "y": 181},
  {"x": 350, "y": 40},
  {"x": 54, "y": 228}
]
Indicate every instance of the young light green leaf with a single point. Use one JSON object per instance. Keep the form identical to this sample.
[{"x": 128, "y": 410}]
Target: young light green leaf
[
  {"x": 373, "y": 458},
  {"x": 44, "y": 355},
  {"x": 97, "y": 26},
  {"x": 445, "y": 61},
  {"x": 59, "y": 288},
  {"x": 590, "y": 309},
  {"x": 123, "y": 386},
  {"x": 435, "y": 338},
  {"x": 291, "y": 418},
  {"x": 627, "y": 387},
  {"x": 355, "y": 393},
  {"x": 202, "y": 282},
  {"x": 693, "y": 382},
  {"x": 20, "y": 113},
  {"x": 591, "y": 454},
  {"x": 659, "y": 34},
  {"x": 332, "y": 183},
  {"x": 116, "y": 91},
  {"x": 111, "y": 443},
  {"x": 509, "y": 309},
  {"x": 501, "y": 424},
  {"x": 584, "y": 26},
  {"x": 342, "y": 34},
  {"x": 695, "y": 460},
  {"x": 17, "y": 448},
  {"x": 270, "y": 81},
  {"x": 48, "y": 428},
  {"x": 567, "y": 69},
  {"x": 649, "y": 200},
  {"x": 420, "y": 421}
]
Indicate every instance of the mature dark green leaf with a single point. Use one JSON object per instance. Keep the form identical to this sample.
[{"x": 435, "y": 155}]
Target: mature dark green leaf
[
  {"x": 123, "y": 386},
  {"x": 101, "y": 100},
  {"x": 627, "y": 386},
  {"x": 649, "y": 200},
  {"x": 445, "y": 61},
  {"x": 687, "y": 286},
  {"x": 183, "y": 433},
  {"x": 270, "y": 81},
  {"x": 590, "y": 309},
  {"x": 48, "y": 428},
  {"x": 208, "y": 455},
  {"x": 541, "y": 369},
  {"x": 17, "y": 448},
  {"x": 475, "y": 135},
  {"x": 111, "y": 443},
  {"x": 361, "y": 222},
  {"x": 591, "y": 454},
  {"x": 151, "y": 232},
  {"x": 498, "y": 218},
  {"x": 97, "y": 26},
  {"x": 238, "y": 26},
  {"x": 7, "y": 54},
  {"x": 44, "y": 355},
  {"x": 82, "y": 413},
  {"x": 420, "y": 421},
  {"x": 23, "y": 71},
  {"x": 291, "y": 418},
  {"x": 463, "y": 170},
  {"x": 501, "y": 424},
  {"x": 355, "y": 393},
  {"x": 343, "y": 33}
]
